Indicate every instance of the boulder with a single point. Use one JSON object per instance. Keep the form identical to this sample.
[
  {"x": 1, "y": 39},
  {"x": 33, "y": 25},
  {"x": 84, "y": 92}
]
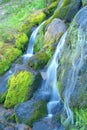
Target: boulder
[
  {"x": 40, "y": 59},
  {"x": 21, "y": 87},
  {"x": 30, "y": 111},
  {"x": 54, "y": 31}
]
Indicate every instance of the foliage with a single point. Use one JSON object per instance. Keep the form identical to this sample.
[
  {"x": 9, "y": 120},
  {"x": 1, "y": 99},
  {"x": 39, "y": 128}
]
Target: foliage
[{"x": 7, "y": 55}]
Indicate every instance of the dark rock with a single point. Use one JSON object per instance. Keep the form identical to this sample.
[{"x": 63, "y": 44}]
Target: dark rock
[
  {"x": 30, "y": 111},
  {"x": 22, "y": 127},
  {"x": 2, "y": 126},
  {"x": 47, "y": 124},
  {"x": 9, "y": 128}
]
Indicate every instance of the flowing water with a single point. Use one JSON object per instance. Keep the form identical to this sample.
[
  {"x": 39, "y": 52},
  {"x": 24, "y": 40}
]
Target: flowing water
[
  {"x": 29, "y": 52},
  {"x": 51, "y": 77},
  {"x": 73, "y": 75}
]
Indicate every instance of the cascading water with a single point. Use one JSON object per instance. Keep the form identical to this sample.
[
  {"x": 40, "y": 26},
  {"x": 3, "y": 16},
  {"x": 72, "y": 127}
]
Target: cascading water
[
  {"x": 73, "y": 75},
  {"x": 29, "y": 51},
  {"x": 51, "y": 77}
]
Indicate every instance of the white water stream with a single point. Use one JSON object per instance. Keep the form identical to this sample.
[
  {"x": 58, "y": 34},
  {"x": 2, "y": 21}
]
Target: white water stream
[{"x": 51, "y": 76}]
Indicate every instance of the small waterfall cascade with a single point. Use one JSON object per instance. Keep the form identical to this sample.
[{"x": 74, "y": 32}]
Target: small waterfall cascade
[
  {"x": 77, "y": 62},
  {"x": 29, "y": 51},
  {"x": 51, "y": 77}
]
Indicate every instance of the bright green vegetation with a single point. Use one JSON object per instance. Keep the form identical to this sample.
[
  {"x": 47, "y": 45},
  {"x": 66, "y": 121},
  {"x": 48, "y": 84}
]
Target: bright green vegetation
[
  {"x": 14, "y": 13},
  {"x": 7, "y": 55},
  {"x": 18, "y": 88},
  {"x": 80, "y": 118},
  {"x": 21, "y": 40}
]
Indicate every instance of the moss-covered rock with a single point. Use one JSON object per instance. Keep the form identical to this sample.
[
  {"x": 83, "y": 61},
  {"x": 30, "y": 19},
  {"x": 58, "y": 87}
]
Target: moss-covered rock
[
  {"x": 40, "y": 59},
  {"x": 51, "y": 8},
  {"x": 18, "y": 88},
  {"x": 30, "y": 111},
  {"x": 20, "y": 41},
  {"x": 7, "y": 55},
  {"x": 67, "y": 9}
]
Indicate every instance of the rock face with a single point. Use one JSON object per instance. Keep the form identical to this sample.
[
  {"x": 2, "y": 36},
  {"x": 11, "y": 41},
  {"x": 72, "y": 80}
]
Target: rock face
[
  {"x": 72, "y": 73},
  {"x": 54, "y": 31},
  {"x": 30, "y": 111}
]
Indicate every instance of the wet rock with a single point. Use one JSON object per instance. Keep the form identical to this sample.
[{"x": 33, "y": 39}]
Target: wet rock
[
  {"x": 2, "y": 126},
  {"x": 30, "y": 111},
  {"x": 72, "y": 72},
  {"x": 54, "y": 31},
  {"x": 9, "y": 128},
  {"x": 84, "y": 2},
  {"x": 47, "y": 124},
  {"x": 22, "y": 127}
]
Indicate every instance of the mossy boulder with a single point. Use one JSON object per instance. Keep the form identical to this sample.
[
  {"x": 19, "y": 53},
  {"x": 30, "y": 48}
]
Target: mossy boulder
[
  {"x": 18, "y": 88},
  {"x": 30, "y": 111},
  {"x": 8, "y": 54},
  {"x": 40, "y": 59},
  {"x": 67, "y": 9},
  {"x": 84, "y": 2}
]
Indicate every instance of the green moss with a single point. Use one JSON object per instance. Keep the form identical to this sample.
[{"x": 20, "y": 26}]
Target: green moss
[
  {"x": 40, "y": 112},
  {"x": 80, "y": 115},
  {"x": 39, "y": 60},
  {"x": 50, "y": 9},
  {"x": 39, "y": 43},
  {"x": 21, "y": 40},
  {"x": 84, "y": 2},
  {"x": 18, "y": 88},
  {"x": 7, "y": 55},
  {"x": 35, "y": 18}
]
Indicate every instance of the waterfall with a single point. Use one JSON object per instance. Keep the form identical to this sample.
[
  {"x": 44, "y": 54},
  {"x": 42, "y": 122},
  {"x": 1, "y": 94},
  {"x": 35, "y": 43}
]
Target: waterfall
[
  {"x": 51, "y": 76},
  {"x": 29, "y": 52},
  {"x": 73, "y": 75}
]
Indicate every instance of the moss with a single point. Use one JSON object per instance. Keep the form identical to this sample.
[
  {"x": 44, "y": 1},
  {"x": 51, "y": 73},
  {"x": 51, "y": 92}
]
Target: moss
[
  {"x": 84, "y": 2},
  {"x": 39, "y": 60},
  {"x": 80, "y": 115},
  {"x": 18, "y": 90},
  {"x": 36, "y": 111},
  {"x": 35, "y": 18},
  {"x": 40, "y": 112},
  {"x": 20, "y": 40},
  {"x": 51, "y": 8},
  {"x": 39, "y": 43},
  {"x": 7, "y": 55}
]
